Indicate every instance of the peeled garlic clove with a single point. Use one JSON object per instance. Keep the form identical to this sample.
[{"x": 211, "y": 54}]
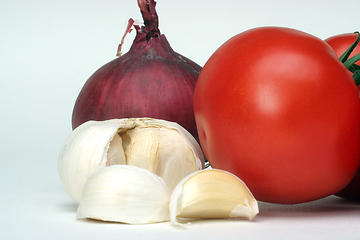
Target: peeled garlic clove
[
  {"x": 125, "y": 194},
  {"x": 212, "y": 193},
  {"x": 160, "y": 146}
]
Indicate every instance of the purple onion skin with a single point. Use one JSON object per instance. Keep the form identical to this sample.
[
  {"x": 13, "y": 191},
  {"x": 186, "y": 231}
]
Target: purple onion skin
[{"x": 151, "y": 80}]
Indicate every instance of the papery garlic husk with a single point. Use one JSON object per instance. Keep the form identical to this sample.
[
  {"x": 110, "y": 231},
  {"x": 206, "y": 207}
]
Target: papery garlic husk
[
  {"x": 212, "y": 193},
  {"x": 160, "y": 146},
  {"x": 125, "y": 194}
]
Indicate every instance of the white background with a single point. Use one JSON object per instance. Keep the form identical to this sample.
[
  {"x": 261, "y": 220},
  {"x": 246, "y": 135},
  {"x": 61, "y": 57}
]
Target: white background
[{"x": 48, "y": 49}]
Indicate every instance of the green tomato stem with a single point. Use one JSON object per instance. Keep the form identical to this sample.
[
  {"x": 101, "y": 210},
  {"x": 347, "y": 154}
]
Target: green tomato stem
[
  {"x": 350, "y": 63},
  {"x": 356, "y": 77},
  {"x": 347, "y": 53}
]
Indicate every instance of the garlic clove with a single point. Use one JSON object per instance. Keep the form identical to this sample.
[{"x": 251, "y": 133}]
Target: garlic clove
[
  {"x": 160, "y": 146},
  {"x": 126, "y": 194},
  {"x": 141, "y": 147},
  {"x": 212, "y": 193}
]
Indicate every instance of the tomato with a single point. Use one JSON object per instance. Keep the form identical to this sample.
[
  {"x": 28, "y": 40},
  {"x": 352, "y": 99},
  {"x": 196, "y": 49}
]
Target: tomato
[
  {"x": 276, "y": 107},
  {"x": 340, "y": 43}
]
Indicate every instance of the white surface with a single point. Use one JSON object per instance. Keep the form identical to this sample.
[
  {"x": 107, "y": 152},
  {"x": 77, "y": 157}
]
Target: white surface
[{"x": 49, "y": 49}]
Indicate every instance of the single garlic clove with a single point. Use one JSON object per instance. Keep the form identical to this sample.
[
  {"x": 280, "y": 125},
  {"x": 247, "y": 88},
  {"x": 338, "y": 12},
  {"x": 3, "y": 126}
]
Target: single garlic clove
[
  {"x": 212, "y": 193},
  {"x": 160, "y": 147},
  {"x": 126, "y": 194}
]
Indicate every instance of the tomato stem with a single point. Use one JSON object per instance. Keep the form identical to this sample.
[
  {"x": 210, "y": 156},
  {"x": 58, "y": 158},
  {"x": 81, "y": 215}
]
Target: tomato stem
[
  {"x": 347, "y": 53},
  {"x": 356, "y": 77},
  {"x": 350, "y": 63}
]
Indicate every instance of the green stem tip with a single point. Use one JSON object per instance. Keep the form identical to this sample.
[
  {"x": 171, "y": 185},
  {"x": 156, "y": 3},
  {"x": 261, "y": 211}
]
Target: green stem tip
[{"x": 350, "y": 63}]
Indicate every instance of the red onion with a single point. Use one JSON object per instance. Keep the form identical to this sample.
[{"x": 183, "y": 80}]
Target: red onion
[{"x": 151, "y": 80}]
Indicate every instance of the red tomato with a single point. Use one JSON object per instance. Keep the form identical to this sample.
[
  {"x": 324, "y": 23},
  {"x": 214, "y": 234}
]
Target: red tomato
[
  {"x": 340, "y": 43},
  {"x": 278, "y": 109}
]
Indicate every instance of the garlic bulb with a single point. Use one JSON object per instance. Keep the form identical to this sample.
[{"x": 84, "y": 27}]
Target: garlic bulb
[
  {"x": 212, "y": 193},
  {"x": 162, "y": 147},
  {"x": 125, "y": 194}
]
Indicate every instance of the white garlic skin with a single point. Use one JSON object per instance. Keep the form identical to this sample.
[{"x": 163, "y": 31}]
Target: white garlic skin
[
  {"x": 125, "y": 194},
  {"x": 97, "y": 144},
  {"x": 84, "y": 152}
]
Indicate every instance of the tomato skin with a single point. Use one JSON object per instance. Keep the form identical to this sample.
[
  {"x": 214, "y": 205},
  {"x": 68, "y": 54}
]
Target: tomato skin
[
  {"x": 278, "y": 109},
  {"x": 340, "y": 43}
]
